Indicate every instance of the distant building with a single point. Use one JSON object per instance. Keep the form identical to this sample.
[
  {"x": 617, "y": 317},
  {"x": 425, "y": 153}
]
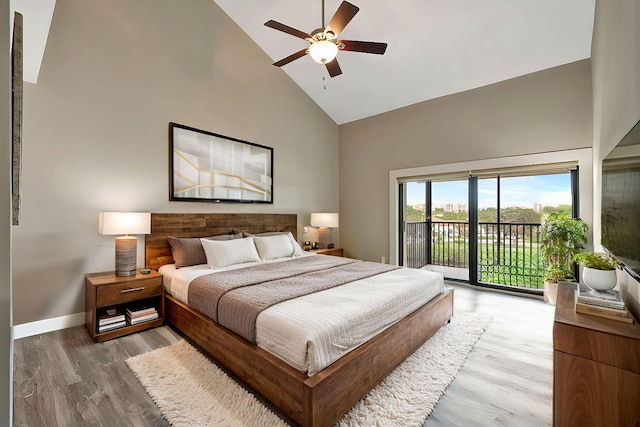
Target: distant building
[
  {"x": 537, "y": 207},
  {"x": 453, "y": 207}
]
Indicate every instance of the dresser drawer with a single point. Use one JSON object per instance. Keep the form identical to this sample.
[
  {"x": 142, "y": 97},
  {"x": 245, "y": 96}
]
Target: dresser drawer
[{"x": 119, "y": 293}]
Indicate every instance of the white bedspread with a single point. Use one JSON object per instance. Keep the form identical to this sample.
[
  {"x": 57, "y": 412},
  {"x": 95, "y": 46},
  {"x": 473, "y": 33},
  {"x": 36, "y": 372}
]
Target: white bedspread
[{"x": 313, "y": 331}]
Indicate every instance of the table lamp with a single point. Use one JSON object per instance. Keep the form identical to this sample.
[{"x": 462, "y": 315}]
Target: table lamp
[
  {"x": 126, "y": 246},
  {"x": 324, "y": 221}
]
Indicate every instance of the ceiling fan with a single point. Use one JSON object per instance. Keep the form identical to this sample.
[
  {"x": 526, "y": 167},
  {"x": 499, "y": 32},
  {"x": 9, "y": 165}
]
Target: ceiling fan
[{"x": 324, "y": 43}]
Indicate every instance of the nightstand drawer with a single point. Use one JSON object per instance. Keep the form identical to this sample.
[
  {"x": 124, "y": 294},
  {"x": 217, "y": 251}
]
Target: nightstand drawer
[{"x": 127, "y": 292}]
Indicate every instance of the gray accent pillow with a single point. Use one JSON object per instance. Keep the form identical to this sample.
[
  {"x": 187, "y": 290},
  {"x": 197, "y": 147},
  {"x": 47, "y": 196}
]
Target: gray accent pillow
[{"x": 188, "y": 251}]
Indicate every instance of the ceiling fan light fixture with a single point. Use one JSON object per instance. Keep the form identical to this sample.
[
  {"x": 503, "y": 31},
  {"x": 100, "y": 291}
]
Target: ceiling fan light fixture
[
  {"x": 324, "y": 43},
  {"x": 323, "y": 51}
]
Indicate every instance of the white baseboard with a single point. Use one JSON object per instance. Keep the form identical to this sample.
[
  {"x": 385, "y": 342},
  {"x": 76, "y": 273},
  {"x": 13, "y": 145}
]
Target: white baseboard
[{"x": 47, "y": 325}]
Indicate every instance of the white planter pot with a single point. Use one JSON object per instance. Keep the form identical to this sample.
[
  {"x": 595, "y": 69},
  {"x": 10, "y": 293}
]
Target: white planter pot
[
  {"x": 550, "y": 292},
  {"x": 600, "y": 280}
]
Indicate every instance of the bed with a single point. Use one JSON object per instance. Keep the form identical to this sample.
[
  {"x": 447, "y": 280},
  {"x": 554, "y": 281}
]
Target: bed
[{"x": 310, "y": 400}]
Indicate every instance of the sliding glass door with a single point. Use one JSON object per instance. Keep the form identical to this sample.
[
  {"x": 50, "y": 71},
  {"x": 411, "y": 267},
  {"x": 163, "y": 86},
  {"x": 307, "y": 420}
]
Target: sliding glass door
[
  {"x": 484, "y": 229},
  {"x": 436, "y": 226}
]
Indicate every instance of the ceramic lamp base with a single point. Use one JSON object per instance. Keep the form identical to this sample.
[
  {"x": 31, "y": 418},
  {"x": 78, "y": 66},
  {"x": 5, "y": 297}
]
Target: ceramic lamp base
[
  {"x": 323, "y": 237},
  {"x": 126, "y": 247}
]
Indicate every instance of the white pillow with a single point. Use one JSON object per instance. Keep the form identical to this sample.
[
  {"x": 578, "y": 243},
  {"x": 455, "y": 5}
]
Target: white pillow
[
  {"x": 297, "y": 250},
  {"x": 272, "y": 247},
  {"x": 228, "y": 252}
]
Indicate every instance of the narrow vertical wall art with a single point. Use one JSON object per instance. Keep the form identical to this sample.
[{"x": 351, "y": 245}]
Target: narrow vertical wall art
[{"x": 16, "y": 86}]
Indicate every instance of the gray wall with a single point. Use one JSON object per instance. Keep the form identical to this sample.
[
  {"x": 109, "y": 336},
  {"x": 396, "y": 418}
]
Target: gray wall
[
  {"x": 113, "y": 76},
  {"x": 6, "y": 339},
  {"x": 545, "y": 111},
  {"x": 616, "y": 96}
]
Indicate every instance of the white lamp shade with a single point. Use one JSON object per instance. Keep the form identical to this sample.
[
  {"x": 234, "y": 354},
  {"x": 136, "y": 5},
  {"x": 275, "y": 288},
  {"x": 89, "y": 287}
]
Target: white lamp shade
[
  {"x": 125, "y": 223},
  {"x": 323, "y": 51},
  {"x": 329, "y": 220}
]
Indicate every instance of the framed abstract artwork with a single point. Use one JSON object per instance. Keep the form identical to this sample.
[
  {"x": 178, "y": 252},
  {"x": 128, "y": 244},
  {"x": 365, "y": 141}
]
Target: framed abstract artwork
[{"x": 208, "y": 167}]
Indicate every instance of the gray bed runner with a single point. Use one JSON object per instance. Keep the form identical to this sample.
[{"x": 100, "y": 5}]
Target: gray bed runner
[{"x": 235, "y": 298}]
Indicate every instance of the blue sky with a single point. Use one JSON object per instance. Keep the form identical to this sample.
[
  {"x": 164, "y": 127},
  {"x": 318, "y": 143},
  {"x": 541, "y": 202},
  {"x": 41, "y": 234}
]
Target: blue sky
[{"x": 548, "y": 190}]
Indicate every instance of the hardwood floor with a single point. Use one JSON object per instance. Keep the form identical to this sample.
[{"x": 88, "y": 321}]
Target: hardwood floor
[
  {"x": 508, "y": 378},
  {"x": 63, "y": 378}
]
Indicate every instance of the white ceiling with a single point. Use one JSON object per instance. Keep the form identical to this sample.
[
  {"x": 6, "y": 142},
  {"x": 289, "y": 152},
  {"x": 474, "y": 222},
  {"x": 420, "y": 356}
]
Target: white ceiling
[
  {"x": 36, "y": 20},
  {"x": 436, "y": 47}
]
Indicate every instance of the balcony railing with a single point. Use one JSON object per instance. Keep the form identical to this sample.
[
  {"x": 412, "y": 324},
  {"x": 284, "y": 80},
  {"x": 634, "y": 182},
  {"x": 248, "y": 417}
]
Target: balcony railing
[{"x": 508, "y": 253}]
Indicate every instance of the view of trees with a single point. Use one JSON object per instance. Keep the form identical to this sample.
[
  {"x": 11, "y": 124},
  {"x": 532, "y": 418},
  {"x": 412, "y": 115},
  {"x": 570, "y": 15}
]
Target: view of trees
[
  {"x": 508, "y": 215},
  {"x": 414, "y": 215},
  {"x": 507, "y": 240},
  {"x": 516, "y": 263}
]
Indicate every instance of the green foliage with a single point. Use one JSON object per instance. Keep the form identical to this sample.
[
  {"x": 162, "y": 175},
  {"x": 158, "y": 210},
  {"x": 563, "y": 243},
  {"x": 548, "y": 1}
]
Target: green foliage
[
  {"x": 516, "y": 214},
  {"x": 562, "y": 238},
  {"x": 511, "y": 214},
  {"x": 516, "y": 266},
  {"x": 487, "y": 215},
  {"x": 511, "y": 265},
  {"x": 455, "y": 216},
  {"x": 414, "y": 215},
  {"x": 514, "y": 257},
  {"x": 597, "y": 260},
  {"x": 561, "y": 209},
  {"x": 556, "y": 272}
]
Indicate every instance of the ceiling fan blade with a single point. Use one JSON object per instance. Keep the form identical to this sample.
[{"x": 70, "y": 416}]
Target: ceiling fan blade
[
  {"x": 333, "y": 68},
  {"x": 365, "y": 47},
  {"x": 287, "y": 29},
  {"x": 290, "y": 58},
  {"x": 342, "y": 17}
]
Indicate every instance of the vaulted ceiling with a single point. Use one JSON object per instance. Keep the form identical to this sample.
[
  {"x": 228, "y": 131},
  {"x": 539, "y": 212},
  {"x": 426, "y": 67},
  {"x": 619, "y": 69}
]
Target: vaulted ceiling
[{"x": 435, "y": 47}]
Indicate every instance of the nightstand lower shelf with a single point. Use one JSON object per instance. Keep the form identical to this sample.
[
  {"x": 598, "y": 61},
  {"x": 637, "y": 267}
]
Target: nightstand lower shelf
[{"x": 129, "y": 329}]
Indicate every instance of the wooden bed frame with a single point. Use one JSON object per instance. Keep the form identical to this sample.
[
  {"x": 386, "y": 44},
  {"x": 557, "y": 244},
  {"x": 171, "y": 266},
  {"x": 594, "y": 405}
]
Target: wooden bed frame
[{"x": 319, "y": 400}]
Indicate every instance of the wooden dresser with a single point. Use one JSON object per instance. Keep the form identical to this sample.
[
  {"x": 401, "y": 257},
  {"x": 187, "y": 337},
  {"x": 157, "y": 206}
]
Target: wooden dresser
[{"x": 596, "y": 367}]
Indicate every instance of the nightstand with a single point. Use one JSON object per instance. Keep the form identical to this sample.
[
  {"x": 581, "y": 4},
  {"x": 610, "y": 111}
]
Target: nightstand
[
  {"x": 106, "y": 291},
  {"x": 332, "y": 251}
]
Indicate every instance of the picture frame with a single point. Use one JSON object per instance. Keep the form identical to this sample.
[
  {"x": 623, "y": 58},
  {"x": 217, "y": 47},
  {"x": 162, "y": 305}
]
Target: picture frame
[
  {"x": 209, "y": 167},
  {"x": 16, "y": 119}
]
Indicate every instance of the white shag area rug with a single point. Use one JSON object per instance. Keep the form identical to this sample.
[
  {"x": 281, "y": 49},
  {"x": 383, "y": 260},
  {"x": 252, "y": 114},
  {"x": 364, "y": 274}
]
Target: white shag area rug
[{"x": 190, "y": 390}]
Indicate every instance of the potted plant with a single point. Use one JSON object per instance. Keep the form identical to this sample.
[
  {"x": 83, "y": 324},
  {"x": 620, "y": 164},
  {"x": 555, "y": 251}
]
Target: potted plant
[
  {"x": 599, "y": 270},
  {"x": 562, "y": 238}
]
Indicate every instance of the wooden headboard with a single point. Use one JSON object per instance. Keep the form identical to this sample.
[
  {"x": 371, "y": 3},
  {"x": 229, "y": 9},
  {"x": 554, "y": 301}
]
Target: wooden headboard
[{"x": 156, "y": 246}]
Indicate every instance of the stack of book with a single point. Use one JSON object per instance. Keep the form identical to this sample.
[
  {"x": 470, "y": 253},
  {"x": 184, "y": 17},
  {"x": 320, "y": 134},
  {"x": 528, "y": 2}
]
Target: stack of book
[
  {"x": 605, "y": 304},
  {"x": 110, "y": 320},
  {"x": 137, "y": 315}
]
